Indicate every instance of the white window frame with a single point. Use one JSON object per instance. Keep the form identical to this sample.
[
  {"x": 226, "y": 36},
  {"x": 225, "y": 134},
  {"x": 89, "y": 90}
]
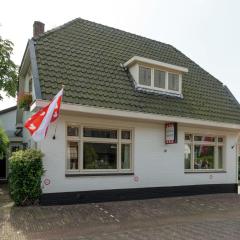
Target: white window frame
[
  {"x": 179, "y": 92},
  {"x": 216, "y": 144},
  {"x": 81, "y": 139}
]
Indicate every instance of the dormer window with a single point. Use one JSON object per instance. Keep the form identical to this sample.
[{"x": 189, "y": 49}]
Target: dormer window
[
  {"x": 159, "y": 79},
  {"x": 145, "y": 76},
  {"x": 151, "y": 75},
  {"x": 173, "y": 81}
]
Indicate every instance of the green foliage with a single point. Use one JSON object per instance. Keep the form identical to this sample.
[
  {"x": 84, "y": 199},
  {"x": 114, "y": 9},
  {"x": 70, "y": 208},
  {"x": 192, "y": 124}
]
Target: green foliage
[
  {"x": 24, "y": 100},
  {"x": 8, "y": 69},
  {"x": 26, "y": 170},
  {"x": 3, "y": 142}
]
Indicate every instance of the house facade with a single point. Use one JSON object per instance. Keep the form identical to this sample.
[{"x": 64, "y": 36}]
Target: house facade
[
  {"x": 139, "y": 119},
  {"x": 8, "y": 123}
]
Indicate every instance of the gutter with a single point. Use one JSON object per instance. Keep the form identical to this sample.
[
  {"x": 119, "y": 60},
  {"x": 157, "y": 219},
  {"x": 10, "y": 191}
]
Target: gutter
[
  {"x": 78, "y": 108},
  {"x": 35, "y": 74}
]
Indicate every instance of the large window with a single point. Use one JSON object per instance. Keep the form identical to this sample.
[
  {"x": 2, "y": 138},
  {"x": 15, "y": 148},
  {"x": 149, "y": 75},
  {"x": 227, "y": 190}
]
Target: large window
[
  {"x": 158, "y": 79},
  {"x": 203, "y": 152},
  {"x": 93, "y": 149}
]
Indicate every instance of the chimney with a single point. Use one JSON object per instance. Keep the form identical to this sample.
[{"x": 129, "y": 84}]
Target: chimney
[{"x": 38, "y": 28}]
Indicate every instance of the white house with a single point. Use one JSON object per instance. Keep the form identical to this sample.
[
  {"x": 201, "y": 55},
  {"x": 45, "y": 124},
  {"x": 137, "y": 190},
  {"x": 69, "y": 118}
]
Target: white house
[
  {"x": 139, "y": 119},
  {"x": 8, "y": 123}
]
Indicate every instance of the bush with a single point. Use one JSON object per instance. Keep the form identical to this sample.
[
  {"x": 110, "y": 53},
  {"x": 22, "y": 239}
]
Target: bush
[
  {"x": 26, "y": 170},
  {"x": 3, "y": 143}
]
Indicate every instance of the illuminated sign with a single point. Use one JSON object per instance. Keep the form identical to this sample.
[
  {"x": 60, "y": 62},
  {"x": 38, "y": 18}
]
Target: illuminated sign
[{"x": 170, "y": 133}]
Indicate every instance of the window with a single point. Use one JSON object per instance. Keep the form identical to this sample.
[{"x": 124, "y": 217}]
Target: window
[
  {"x": 72, "y": 131},
  {"x": 160, "y": 80},
  {"x": 100, "y": 133},
  {"x": 173, "y": 82},
  {"x": 30, "y": 86},
  {"x": 203, "y": 152},
  {"x": 98, "y": 149},
  {"x": 72, "y": 155},
  {"x": 145, "y": 76},
  {"x": 99, "y": 155}
]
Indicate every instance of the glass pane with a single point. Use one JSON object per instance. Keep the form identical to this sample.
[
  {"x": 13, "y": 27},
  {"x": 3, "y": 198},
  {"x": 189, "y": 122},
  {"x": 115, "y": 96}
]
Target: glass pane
[
  {"x": 173, "y": 81},
  {"x": 30, "y": 86},
  {"x": 126, "y": 134},
  {"x": 220, "y": 157},
  {"x": 159, "y": 78},
  {"x": 204, "y": 139},
  {"x": 220, "y": 140},
  {"x": 125, "y": 158},
  {"x": 72, "y": 131},
  {"x": 99, "y": 133},
  {"x": 72, "y": 155},
  {"x": 99, "y": 156},
  {"x": 204, "y": 157},
  {"x": 188, "y": 137},
  {"x": 145, "y": 76},
  {"x": 187, "y": 156}
]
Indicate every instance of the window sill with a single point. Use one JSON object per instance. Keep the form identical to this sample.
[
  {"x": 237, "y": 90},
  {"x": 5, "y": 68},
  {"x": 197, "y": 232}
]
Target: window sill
[
  {"x": 205, "y": 171},
  {"x": 97, "y": 174},
  {"x": 147, "y": 89}
]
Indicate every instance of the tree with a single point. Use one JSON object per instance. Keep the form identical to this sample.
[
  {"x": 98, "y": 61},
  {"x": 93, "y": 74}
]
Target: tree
[
  {"x": 3, "y": 142},
  {"x": 8, "y": 69}
]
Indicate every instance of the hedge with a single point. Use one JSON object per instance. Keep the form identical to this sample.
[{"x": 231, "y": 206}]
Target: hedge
[{"x": 26, "y": 170}]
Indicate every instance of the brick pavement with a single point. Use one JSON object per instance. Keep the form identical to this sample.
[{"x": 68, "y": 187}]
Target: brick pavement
[{"x": 196, "y": 217}]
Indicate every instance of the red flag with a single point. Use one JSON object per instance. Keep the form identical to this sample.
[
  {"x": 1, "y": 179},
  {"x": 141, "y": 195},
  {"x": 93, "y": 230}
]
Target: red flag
[{"x": 38, "y": 123}]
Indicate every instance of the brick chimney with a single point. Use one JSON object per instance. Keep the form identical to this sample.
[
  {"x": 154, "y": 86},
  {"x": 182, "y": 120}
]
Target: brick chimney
[{"x": 38, "y": 28}]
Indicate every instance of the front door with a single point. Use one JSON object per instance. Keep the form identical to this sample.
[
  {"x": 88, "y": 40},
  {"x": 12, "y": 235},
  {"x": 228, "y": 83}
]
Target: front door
[{"x": 3, "y": 174}]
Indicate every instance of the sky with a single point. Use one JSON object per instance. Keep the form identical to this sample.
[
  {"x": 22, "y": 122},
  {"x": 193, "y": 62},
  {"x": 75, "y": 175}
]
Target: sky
[{"x": 207, "y": 31}]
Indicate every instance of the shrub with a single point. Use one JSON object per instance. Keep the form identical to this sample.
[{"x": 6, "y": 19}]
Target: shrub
[
  {"x": 3, "y": 143},
  {"x": 26, "y": 170}
]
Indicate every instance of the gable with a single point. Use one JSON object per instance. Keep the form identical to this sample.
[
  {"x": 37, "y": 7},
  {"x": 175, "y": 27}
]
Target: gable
[{"x": 87, "y": 58}]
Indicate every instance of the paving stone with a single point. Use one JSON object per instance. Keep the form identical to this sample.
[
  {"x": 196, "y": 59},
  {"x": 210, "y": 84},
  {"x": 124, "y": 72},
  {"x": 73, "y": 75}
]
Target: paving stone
[{"x": 206, "y": 217}]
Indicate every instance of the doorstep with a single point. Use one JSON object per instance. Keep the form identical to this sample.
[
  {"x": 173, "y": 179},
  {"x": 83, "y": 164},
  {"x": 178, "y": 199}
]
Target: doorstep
[{"x": 3, "y": 180}]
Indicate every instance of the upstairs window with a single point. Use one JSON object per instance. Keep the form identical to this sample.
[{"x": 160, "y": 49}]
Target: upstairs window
[
  {"x": 145, "y": 76},
  {"x": 155, "y": 76},
  {"x": 158, "y": 79},
  {"x": 173, "y": 82}
]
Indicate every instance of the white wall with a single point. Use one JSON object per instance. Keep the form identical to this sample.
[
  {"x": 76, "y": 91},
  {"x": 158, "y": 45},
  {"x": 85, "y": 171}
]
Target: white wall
[
  {"x": 8, "y": 121},
  {"x": 155, "y": 163}
]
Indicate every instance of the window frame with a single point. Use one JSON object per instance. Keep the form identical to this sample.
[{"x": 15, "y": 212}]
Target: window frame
[
  {"x": 152, "y": 87},
  {"x": 81, "y": 139},
  {"x": 216, "y": 144}
]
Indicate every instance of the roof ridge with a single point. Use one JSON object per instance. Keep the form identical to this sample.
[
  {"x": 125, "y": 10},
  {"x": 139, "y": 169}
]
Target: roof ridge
[
  {"x": 100, "y": 24},
  {"x": 117, "y": 29}
]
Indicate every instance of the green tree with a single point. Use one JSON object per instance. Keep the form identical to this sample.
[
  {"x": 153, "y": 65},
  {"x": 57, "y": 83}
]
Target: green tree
[
  {"x": 8, "y": 69},
  {"x": 3, "y": 142}
]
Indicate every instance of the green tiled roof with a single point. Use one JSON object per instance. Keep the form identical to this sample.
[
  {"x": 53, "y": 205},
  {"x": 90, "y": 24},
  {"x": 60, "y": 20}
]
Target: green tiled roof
[{"x": 86, "y": 57}]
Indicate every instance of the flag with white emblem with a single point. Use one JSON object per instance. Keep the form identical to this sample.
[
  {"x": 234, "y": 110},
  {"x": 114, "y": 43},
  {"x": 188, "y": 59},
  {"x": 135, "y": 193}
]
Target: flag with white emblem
[{"x": 38, "y": 123}]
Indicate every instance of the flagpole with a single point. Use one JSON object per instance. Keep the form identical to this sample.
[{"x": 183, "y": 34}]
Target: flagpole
[{"x": 54, "y": 135}]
